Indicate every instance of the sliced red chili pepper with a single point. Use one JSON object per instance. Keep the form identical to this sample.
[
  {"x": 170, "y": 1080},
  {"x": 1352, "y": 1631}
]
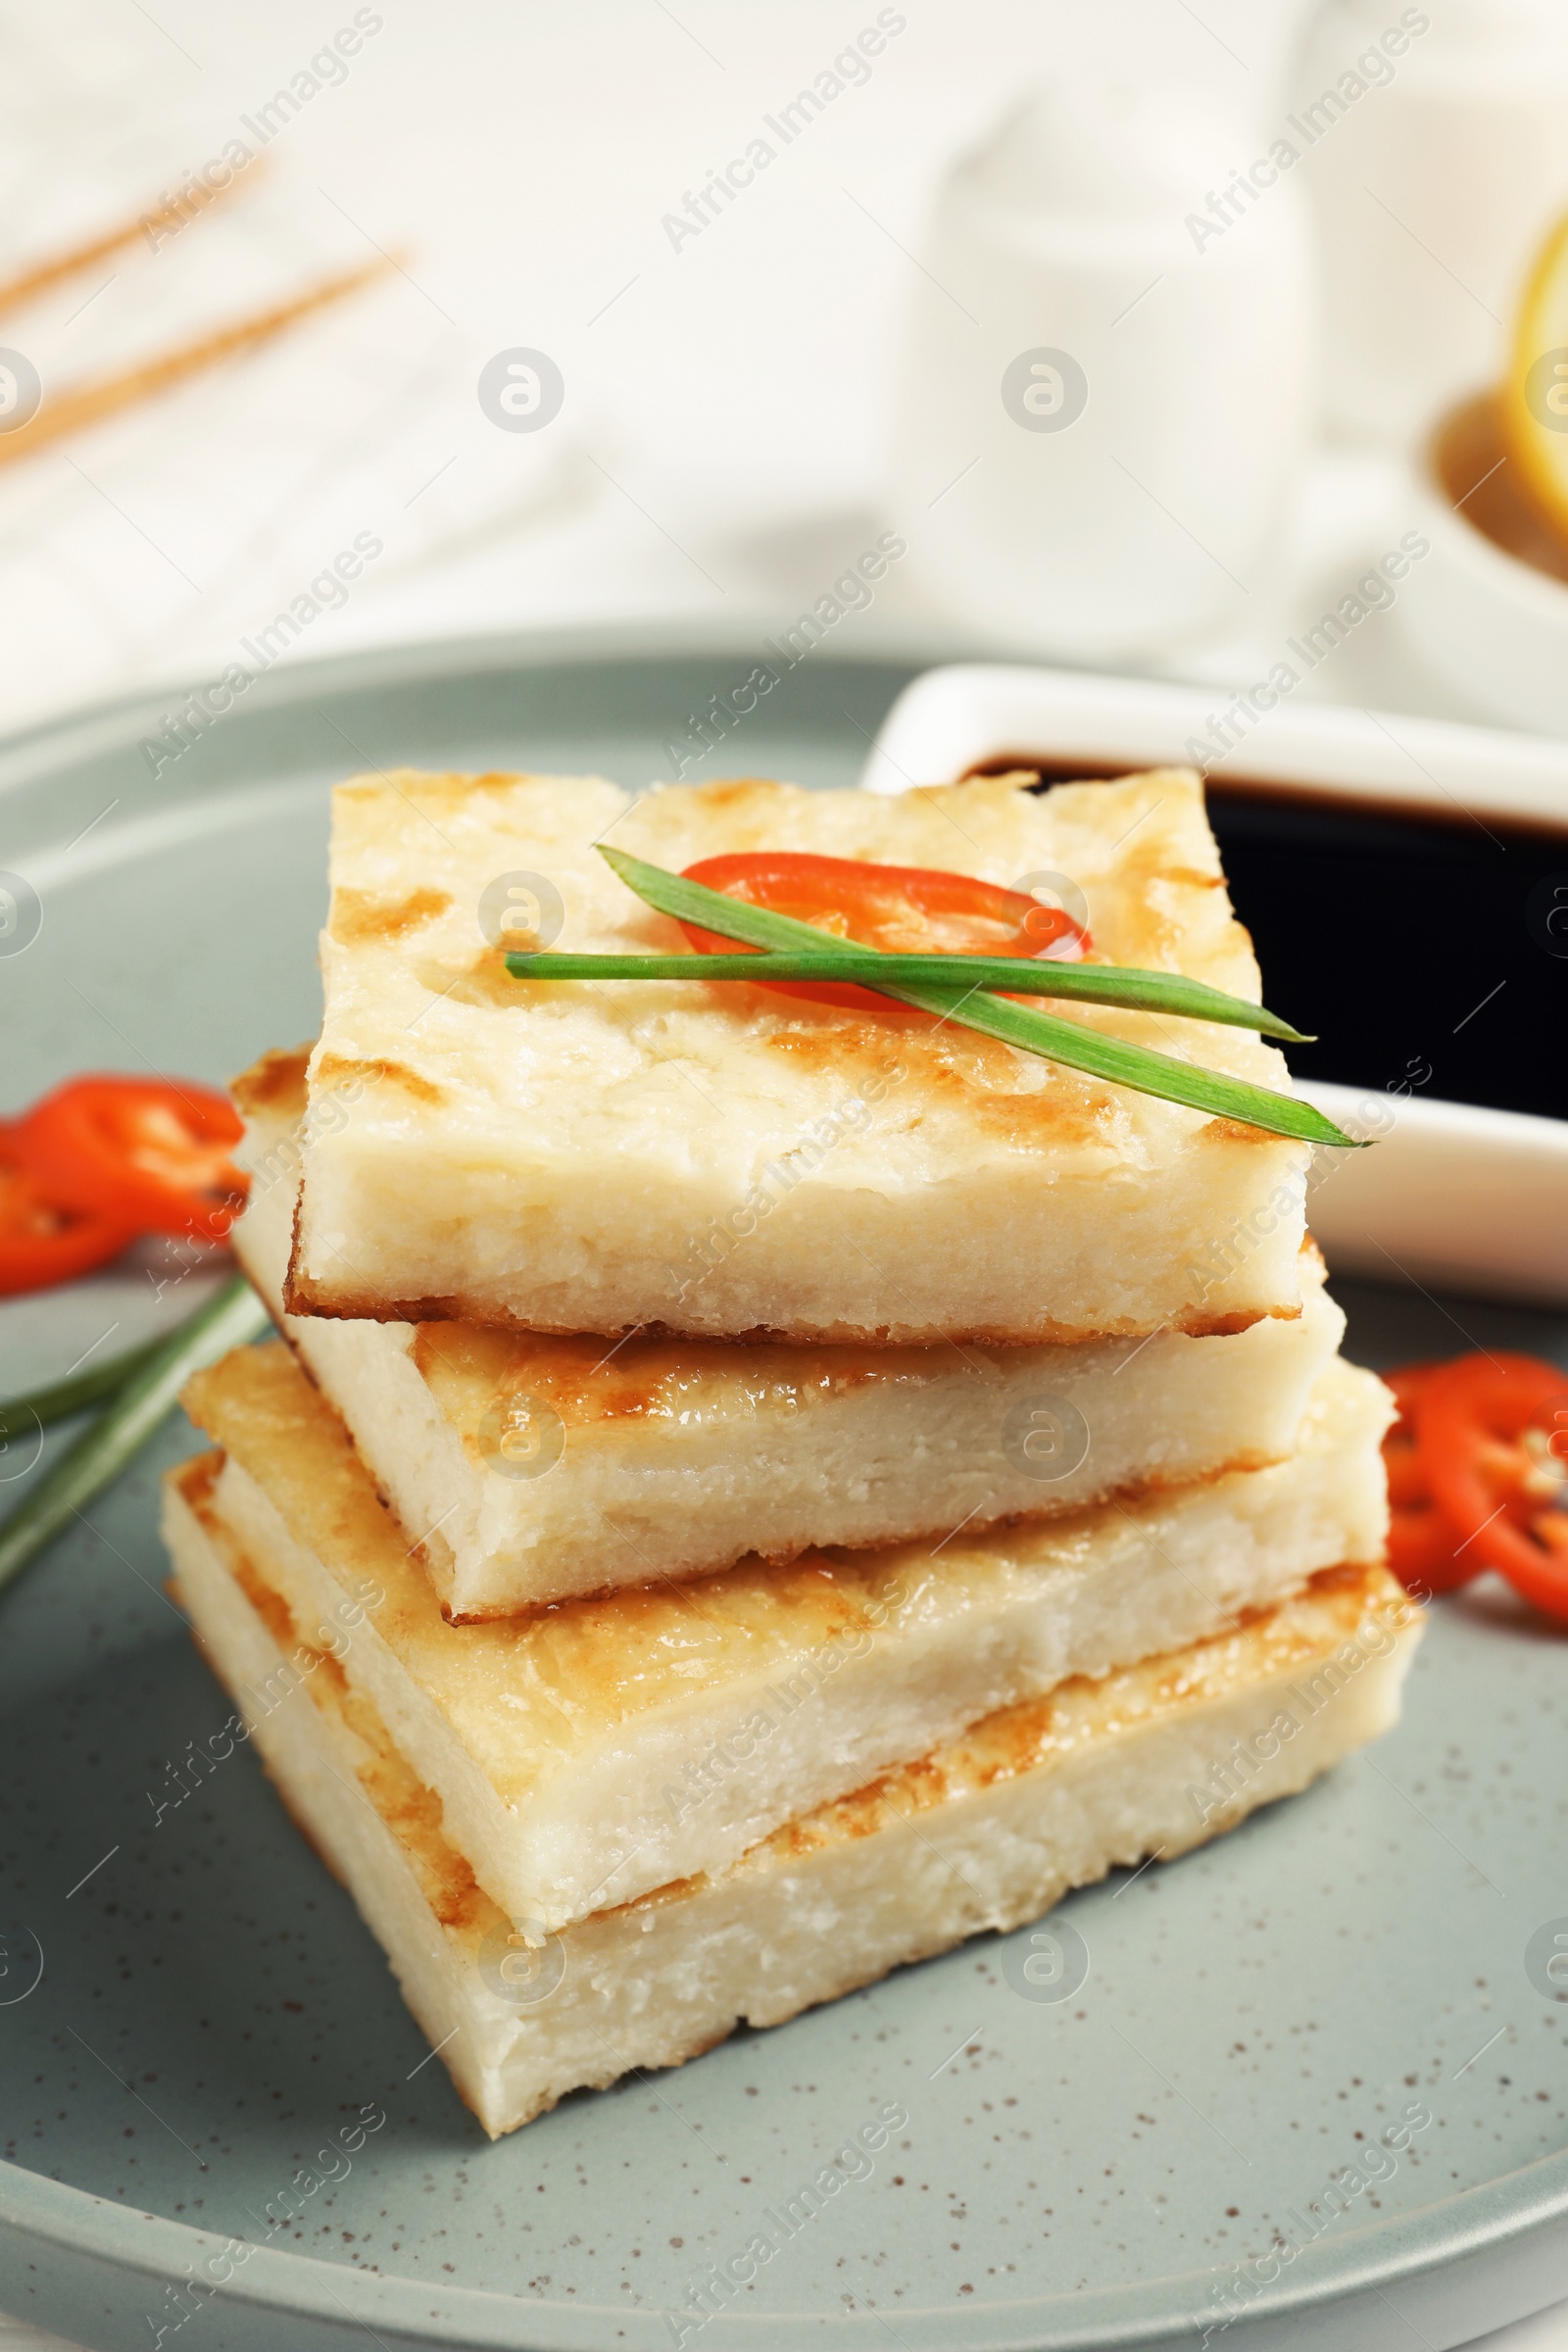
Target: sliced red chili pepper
[
  {"x": 151, "y": 1156},
  {"x": 41, "y": 1243},
  {"x": 1493, "y": 1436},
  {"x": 1421, "y": 1541},
  {"x": 904, "y": 910}
]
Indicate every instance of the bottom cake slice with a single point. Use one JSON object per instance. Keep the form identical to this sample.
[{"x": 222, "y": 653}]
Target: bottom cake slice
[{"x": 986, "y": 1833}]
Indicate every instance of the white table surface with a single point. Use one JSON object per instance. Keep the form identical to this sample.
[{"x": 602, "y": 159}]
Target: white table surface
[{"x": 719, "y": 451}]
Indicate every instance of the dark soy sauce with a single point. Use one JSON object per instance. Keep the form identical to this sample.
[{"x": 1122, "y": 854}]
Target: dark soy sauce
[{"x": 1427, "y": 949}]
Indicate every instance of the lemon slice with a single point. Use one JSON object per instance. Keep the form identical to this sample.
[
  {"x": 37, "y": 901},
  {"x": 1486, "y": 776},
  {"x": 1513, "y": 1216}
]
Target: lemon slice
[{"x": 1536, "y": 394}]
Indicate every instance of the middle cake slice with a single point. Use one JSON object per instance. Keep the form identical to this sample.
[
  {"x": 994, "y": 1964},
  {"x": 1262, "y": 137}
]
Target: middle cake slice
[
  {"x": 529, "y": 1468},
  {"x": 590, "y": 1754}
]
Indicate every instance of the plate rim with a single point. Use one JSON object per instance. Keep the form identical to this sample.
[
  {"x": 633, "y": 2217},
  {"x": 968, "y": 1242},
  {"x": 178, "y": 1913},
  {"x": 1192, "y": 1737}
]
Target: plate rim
[
  {"x": 25, "y": 752},
  {"x": 1488, "y": 2219},
  {"x": 39, "y": 2214}
]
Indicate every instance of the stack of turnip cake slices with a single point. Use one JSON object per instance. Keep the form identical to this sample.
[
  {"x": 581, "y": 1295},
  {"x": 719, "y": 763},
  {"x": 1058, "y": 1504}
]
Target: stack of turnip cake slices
[{"x": 753, "y": 1492}]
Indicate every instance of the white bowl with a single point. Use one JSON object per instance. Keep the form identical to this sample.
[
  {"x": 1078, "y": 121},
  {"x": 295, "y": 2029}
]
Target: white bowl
[{"x": 1489, "y": 624}]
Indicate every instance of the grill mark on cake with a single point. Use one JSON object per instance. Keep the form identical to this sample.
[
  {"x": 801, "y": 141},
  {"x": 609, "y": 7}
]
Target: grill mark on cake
[
  {"x": 494, "y": 780},
  {"x": 275, "y": 1613},
  {"x": 1232, "y": 1131},
  {"x": 275, "y": 1083},
  {"x": 1041, "y": 1109},
  {"x": 410, "y": 1808},
  {"x": 765, "y": 806},
  {"x": 413, "y": 1813},
  {"x": 195, "y": 1481},
  {"x": 470, "y": 1369},
  {"x": 333, "y": 1066},
  {"x": 359, "y": 919},
  {"x": 485, "y": 982},
  {"x": 1152, "y": 929},
  {"x": 267, "y": 1602},
  {"x": 728, "y": 792}
]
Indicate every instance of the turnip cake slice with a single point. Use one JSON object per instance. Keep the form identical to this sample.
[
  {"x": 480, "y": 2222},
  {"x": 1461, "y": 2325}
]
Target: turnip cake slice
[
  {"x": 528, "y": 1468},
  {"x": 715, "y": 1159},
  {"x": 987, "y": 1832},
  {"x": 590, "y": 1753}
]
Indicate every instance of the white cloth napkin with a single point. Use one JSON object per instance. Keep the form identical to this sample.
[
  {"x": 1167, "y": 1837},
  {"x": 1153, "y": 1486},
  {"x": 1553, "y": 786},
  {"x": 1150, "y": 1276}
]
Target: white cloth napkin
[{"x": 180, "y": 531}]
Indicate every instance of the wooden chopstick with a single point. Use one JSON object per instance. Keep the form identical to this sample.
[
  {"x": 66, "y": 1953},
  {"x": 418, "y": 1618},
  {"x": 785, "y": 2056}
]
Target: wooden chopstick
[
  {"x": 42, "y": 275},
  {"x": 86, "y": 404}
]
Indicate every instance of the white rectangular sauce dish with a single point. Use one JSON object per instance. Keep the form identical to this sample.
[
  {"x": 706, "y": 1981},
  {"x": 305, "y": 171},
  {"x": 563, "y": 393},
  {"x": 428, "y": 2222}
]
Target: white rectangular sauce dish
[{"x": 1352, "y": 839}]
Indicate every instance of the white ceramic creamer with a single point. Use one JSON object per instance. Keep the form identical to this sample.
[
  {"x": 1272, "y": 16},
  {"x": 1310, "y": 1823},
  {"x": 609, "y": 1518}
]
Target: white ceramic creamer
[{"x": 1103, "y": 396}]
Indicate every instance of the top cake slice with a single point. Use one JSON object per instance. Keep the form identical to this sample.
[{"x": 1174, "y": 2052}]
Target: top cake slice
[{"x": 716, "y": 1159}]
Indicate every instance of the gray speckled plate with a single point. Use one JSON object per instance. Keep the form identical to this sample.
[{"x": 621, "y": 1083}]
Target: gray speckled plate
[{"x": 209, "y": 2014}]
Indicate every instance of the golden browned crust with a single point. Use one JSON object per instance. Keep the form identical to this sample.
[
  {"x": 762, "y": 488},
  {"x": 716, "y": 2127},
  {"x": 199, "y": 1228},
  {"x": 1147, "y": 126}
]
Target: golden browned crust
[
  {"x": 1280, "y": 1635},
  {"x": 1263, "y": 1642},
  {"x": 449, "y": 786},
  {"x": 359, "y": 919},
  {"x": 1221, "y": 1327},
  {"x": 732, "y": 792},
  {"x": 290, "y": 1293},
  {"x": 945, "y": 1065},
  {"x": 334, "y": 1067},
  {"x": 640, "y": 1648},
  {"x": 410, "y": 1810},
  {"x": 646, "y": 1377},
  {"x": 1230, "y": 1131},
  {"x": 1160, "y": 901},
  {"x": 196, "y": 1480},
  {"x": 273, "y": 1085}
]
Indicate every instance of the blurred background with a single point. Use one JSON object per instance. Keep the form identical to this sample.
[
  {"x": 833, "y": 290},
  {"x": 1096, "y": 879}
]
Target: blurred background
[
  {"x": 1129, "y": 326},
  {"x": 1216, "y": 340}
]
